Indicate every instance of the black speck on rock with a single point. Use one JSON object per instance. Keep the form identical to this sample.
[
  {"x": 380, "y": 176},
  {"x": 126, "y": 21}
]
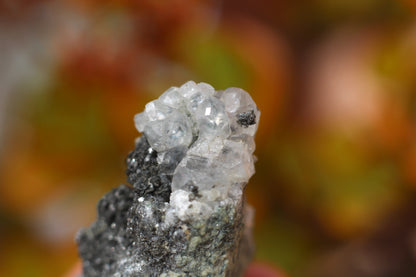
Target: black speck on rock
[{"x": 246, "y": 119}]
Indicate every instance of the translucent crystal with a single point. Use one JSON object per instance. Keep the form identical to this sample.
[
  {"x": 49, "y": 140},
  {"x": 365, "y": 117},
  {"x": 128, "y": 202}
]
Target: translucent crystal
[
  {"x": 172, "y": 98},
  {"x": 209, "y": 133},
  {"x": 247, "y": 140},
  {"x": 140, "y": 121},
  {"x": 194, "y": 171},
  {"x": 206, "y": 88},
  {"x": 237, "y": 160},
  {"x": 212, "y": 119},
  {"x": 156, "y": 110},
  {"x": 190, "y": 88},
  {"x": 169, "y": 133},
  {"x": 195, "y": 101},
  {"x": 207, "y": 147}
]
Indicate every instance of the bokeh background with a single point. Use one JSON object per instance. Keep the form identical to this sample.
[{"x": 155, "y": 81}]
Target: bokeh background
[{"x": 335, "y": 188}]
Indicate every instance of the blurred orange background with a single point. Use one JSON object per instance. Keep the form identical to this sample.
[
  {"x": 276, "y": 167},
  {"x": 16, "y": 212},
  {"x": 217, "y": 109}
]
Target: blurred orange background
[{"x": 335, "y": 188}]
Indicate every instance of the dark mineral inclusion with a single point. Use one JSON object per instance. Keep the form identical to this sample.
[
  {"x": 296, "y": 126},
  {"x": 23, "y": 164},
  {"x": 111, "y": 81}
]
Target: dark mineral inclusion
[{"x": 132, "y": 235}]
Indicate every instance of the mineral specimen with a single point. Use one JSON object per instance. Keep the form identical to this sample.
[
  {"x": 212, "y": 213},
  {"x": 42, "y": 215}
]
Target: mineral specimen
[{"x": 185, "y": 213}]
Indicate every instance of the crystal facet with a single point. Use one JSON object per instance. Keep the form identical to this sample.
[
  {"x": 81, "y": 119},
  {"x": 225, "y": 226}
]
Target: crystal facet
[{"x": 229, "y": 116}]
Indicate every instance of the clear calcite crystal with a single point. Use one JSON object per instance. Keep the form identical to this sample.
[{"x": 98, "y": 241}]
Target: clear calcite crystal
[
  {"x": 185, "y": 214},
  {"x": 217, "y": 129}
]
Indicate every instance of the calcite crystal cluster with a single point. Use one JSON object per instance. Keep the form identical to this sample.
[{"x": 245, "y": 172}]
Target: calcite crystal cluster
[{"x": 184, "y": 213}]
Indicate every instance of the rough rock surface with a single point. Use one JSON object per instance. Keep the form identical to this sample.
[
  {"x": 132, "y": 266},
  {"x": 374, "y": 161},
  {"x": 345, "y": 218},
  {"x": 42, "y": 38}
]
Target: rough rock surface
[{"x": 184, "y": 213}]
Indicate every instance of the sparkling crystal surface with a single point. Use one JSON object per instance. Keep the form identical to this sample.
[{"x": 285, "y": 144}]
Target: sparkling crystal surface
[{"x": 220, "y": 125}]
